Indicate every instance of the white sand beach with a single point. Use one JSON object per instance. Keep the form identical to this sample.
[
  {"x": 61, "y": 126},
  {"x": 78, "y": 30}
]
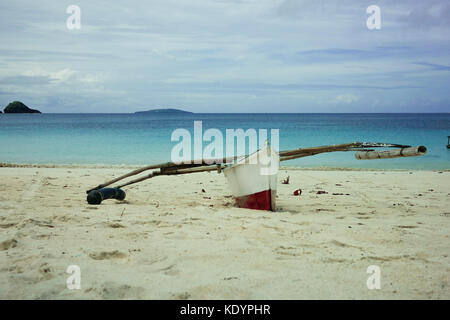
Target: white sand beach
[{"x": 171, "y": 240}]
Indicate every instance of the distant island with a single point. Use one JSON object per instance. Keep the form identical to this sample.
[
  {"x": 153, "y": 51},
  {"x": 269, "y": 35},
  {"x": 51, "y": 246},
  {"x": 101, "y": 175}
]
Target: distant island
[
  {"x": 164, "y": 111},
  {"x": 18, "y": 107}
]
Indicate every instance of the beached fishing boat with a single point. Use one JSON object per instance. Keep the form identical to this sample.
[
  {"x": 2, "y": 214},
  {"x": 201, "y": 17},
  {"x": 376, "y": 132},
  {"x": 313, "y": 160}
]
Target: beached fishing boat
[{"x": 252, "y": 179}]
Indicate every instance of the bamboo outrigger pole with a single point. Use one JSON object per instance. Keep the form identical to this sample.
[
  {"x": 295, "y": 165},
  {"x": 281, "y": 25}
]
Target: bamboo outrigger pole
[
  {"x": 173, "y": 172},
  {"x": 387, "y": 154},
  {"x": 96, "y": 196},
  {"x": 171, "y": 168},
  {"x": 167, "y": 166}
]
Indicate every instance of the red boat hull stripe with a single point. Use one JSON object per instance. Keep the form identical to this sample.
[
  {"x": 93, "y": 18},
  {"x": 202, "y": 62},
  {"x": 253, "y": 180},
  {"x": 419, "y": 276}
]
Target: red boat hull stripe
[{"x": 264, "y": 200}]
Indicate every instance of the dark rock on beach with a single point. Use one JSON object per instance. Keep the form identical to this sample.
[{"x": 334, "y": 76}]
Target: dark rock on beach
[{"x": 19, "y": 107}]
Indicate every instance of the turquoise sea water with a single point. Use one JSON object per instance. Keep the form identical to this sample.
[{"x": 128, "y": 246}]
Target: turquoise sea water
[{"x": 146, "y": 138}]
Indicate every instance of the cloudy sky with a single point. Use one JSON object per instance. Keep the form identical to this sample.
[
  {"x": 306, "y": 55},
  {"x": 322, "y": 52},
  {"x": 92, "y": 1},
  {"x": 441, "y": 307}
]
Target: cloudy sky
[{"x": 226, "y": 56}]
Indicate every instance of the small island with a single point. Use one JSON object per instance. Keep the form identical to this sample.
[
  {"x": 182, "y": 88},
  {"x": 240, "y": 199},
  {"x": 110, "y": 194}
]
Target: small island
[
  {"x": 164, "y": 111},
  {"x": 18, "y": 107}
]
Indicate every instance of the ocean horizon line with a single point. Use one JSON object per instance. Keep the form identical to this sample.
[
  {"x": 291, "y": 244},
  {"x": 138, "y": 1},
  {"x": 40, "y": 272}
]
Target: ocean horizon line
[{"x": 191, "y": 113}]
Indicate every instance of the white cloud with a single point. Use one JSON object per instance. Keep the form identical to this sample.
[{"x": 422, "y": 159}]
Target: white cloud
[
  {"x": 346, "y": 98},
  {"x": 55, "y": 77}
]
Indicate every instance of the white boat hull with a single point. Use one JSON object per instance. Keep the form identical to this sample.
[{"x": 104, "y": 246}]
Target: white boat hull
[{"x": 253, "y": 180}]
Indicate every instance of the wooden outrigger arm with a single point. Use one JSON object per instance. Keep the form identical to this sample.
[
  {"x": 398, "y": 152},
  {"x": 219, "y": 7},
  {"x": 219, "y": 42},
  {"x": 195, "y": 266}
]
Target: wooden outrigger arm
[
  {"x": 364, "y": 151},
  {"x": 167, "y": 167}
]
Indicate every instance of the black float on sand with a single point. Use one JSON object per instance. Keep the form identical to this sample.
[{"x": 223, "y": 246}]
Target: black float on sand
[{"x": 97, "y": 196}]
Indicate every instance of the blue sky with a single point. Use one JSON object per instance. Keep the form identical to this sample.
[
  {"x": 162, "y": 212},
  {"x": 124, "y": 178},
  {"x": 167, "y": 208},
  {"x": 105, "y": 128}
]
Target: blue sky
[{"x": 226, "y": 56}]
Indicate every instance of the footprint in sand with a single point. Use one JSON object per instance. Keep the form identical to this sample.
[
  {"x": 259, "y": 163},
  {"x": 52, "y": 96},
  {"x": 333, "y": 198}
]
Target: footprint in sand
[
  {"x": 115, "y": 225},
  {"x": 386, "y": 258},
  {"x": 287, "y": 251},
  {"x": 40, "y": 223},
  {"x": 68, "y": 218},
  {"x": 41, "y": 237},
  {"x": 46, "y": 271},
  {"x": 8, "y": 244},
  {"x": 170, "y": 270},
  {"x": 111, "y": 290},
  {"x": 406, "y": 227},
  {"x": 181, "y": 296},
  {"x": 105, "y": 255},
  {"x": 7, "y": 225},
  {"x": 343, "y": 245}
]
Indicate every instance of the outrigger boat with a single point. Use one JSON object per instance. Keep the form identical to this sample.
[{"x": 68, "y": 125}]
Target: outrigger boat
[{"x": 253, "y": 178}]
